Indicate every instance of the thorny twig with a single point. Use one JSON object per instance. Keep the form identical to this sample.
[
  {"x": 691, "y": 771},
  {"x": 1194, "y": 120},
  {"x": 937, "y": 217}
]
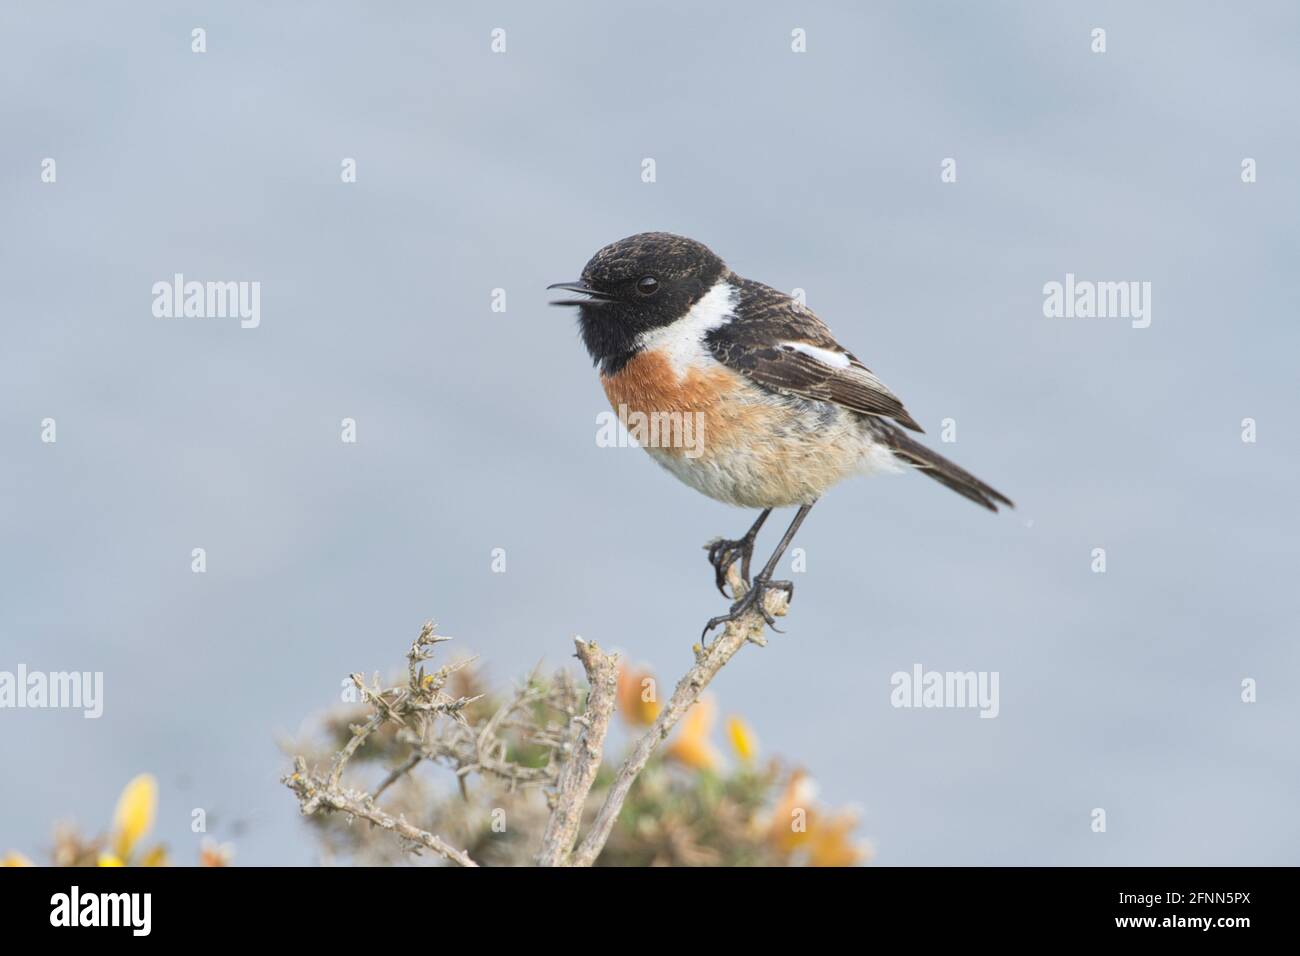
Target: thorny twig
[
  {"x": 415, "y": 705},
  {"x": 314, "y": 793}
]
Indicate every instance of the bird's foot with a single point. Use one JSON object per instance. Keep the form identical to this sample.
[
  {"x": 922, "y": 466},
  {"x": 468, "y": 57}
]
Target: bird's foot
[
  {"x": 754, "y": 598},
  {"x": 723, "y": 554}
]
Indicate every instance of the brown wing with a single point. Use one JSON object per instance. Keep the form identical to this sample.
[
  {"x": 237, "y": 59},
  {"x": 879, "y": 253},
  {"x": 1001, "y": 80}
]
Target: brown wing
[{"x": 781, "y": 345}]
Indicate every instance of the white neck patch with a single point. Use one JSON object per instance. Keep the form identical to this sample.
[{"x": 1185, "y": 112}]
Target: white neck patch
[{"x": 682, "y": 343}]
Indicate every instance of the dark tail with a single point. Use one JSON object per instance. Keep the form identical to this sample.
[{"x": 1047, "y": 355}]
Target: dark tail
[{"x": 941, "y": 469}]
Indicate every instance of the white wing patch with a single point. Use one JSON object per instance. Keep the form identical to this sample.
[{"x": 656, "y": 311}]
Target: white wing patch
[
  {"x": 682, "y": 343},
  {"x": 827, "y": 357}
]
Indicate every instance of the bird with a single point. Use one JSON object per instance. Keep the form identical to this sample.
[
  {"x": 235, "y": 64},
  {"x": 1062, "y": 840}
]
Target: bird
[{"x": 781, "y": 410}]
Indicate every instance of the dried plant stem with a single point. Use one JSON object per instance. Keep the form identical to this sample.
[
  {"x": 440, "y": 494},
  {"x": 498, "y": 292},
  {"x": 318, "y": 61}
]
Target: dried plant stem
[
  {"x": 436, "y": 727},
  {"x": 314, "y": 793},
  {"x": 397, "y": 773},
  {"x": 582, "y": 762},
  {"x": 708, "y": 661}
]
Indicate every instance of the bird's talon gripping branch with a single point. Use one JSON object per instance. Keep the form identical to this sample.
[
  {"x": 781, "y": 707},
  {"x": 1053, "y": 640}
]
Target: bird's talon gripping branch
[
  {"x": 754, "y": 598},
  {"x": 755, "y": 595},
  {"x": 724, "y": 553}
]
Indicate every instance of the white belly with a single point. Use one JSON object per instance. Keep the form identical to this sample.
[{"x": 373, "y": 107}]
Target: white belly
[{"x": 792, "y": 457}]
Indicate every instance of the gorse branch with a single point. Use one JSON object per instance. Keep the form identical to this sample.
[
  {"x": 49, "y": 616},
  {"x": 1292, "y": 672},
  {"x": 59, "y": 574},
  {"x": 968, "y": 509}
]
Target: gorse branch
[
  {"x": 544, "y": 736},
  {"x": 584, "y": 755},
  {"x": 433, "y": 725},
  {"x": 315, "y": 794}
]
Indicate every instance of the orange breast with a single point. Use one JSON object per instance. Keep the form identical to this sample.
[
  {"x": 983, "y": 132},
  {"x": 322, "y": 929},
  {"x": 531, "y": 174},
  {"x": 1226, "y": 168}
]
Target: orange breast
[
  {"x": 649, "y": 384},
  {"x": 723, "y": 400},
  {"x": 744, "y": 445}
]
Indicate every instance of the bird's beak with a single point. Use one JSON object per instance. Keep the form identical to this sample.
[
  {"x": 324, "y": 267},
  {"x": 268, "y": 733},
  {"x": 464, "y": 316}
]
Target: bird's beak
[{"x": 593, "y": 295}]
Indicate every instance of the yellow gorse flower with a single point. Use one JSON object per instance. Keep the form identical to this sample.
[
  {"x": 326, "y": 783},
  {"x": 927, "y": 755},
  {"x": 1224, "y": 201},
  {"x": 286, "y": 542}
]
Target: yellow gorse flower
[
  {"x": 793, "y": 814},
  {"x": 155, "y": 857},
  {"x": 799, "y": 827},
  {"x": 633, "y": 691},
  {"x": 134, "y": 816},
  {"x": 743, "y": 741},
  {"x": 691, "y": 746},
  {"x": 14, "y": 858},
  {"x": 831, "y": 842}
]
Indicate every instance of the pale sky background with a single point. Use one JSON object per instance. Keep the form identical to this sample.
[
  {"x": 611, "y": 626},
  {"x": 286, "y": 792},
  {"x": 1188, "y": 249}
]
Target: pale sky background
[{"x": 477, "y": 430}]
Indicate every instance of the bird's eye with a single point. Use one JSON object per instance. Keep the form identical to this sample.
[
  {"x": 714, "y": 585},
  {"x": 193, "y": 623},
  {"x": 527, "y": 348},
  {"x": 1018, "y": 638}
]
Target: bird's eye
[{"x": 647, "y": 285}]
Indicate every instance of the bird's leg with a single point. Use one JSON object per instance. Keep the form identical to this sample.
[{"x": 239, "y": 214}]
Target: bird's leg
[
  {"x": 755, "y": 596},
  {"x": 723, "y": 553}
]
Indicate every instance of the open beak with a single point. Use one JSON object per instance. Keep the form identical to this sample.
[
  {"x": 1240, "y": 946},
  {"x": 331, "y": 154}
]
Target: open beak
[{"x": 592, "y": 295}]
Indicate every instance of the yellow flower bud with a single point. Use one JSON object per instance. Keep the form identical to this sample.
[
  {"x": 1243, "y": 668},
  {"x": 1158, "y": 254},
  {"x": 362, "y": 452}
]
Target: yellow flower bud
[
  {"x": 135, "y": 812},
  {"x": 742, "y": 738}
]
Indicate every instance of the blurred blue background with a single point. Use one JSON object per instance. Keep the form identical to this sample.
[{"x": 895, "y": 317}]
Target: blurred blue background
[{"x": 476, "y": 429}]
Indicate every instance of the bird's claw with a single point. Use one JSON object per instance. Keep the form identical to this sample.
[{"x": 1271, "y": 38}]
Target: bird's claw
[
  {"x": 723, "y": 554},
  {"x": 754, "y": 598}
]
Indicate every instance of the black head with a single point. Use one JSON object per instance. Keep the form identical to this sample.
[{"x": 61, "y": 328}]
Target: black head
[{"x": 637, "y": 284}]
